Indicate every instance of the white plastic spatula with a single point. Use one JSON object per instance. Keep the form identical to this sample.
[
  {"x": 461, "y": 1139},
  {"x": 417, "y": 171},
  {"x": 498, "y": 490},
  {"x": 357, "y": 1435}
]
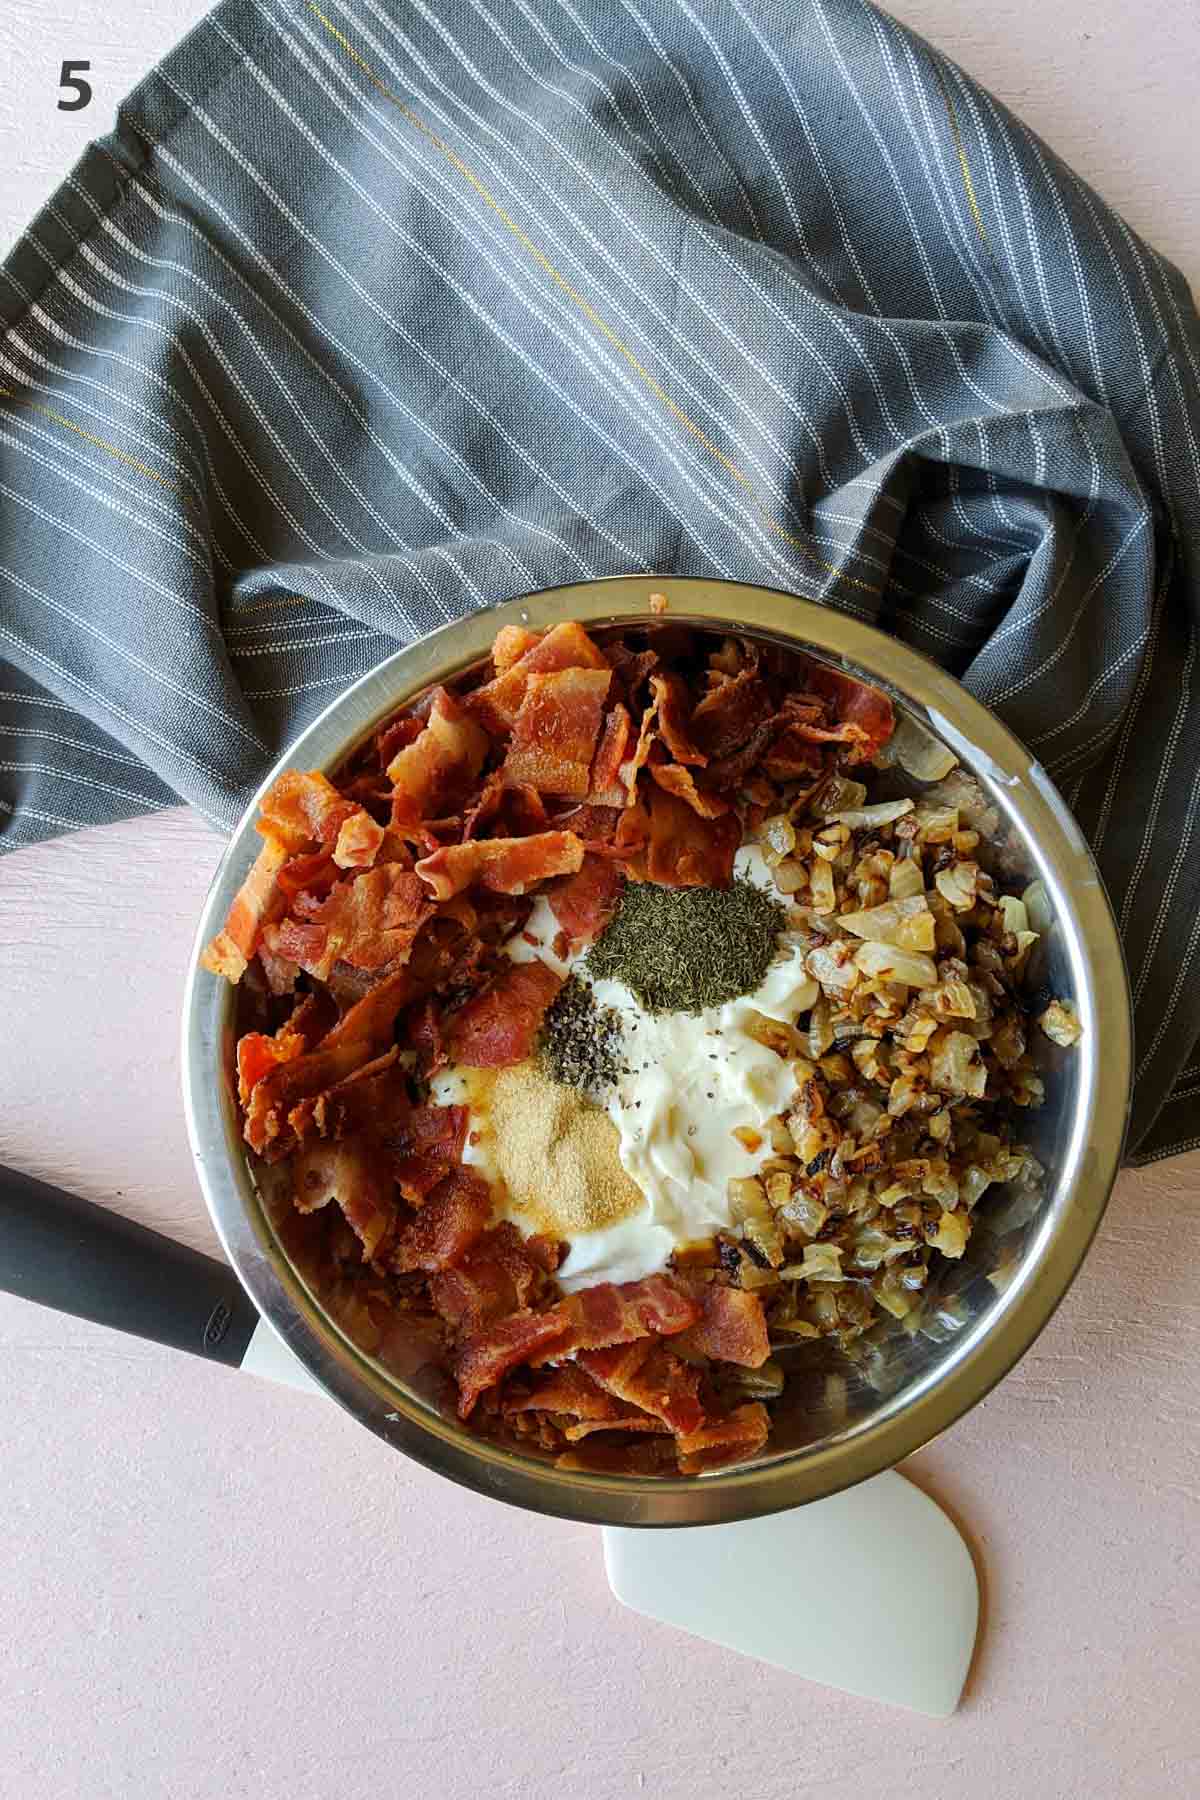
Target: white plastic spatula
[{"x": 872, "y": 1591}]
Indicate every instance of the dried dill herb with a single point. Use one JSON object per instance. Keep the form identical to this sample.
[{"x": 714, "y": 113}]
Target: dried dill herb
[
  {"x": 581, "y": 1040},
  {"x": 685, "y": 949}
]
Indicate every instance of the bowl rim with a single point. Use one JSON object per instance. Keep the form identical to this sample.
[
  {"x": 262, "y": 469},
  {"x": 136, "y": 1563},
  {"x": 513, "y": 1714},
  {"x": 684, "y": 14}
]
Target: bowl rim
[{"x": 987, "y": 1351}]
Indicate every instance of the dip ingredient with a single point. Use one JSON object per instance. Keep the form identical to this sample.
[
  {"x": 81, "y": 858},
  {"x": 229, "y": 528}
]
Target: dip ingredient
[{"x": 687, "y": 949}]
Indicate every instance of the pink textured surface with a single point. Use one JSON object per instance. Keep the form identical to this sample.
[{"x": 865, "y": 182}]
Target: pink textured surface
[{"x": 211, "y": 1586}]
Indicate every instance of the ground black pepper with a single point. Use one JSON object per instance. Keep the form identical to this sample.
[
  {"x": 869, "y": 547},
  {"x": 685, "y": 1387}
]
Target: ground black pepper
[
  {"x": 581, "y": 1040},
  {"x": 685, "y": 949}
]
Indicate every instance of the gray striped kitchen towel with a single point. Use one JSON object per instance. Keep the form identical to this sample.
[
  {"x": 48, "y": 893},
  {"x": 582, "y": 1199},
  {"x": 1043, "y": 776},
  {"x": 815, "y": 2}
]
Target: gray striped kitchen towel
[{"x": 370, "y": 312}]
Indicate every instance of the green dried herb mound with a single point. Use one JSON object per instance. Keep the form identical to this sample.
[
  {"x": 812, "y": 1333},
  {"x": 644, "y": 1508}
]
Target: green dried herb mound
[{"x": 686, "y": 949}]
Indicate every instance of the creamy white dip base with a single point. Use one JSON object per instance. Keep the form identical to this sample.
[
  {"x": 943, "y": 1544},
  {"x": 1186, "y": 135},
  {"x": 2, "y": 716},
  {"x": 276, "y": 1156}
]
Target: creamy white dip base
[{"x": 693, "y": 1079}]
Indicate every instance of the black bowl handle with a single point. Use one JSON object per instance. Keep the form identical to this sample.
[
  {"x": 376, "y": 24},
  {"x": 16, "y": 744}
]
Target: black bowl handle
[{"x": 80, "y": 1258}]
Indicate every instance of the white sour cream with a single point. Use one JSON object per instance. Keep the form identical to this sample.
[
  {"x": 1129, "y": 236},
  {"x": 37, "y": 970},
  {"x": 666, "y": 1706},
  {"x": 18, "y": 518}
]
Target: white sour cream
[{"x": 693, "y": 1079}]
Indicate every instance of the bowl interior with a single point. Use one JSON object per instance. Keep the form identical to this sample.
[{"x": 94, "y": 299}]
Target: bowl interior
[{"x": 843, "y": 1414}]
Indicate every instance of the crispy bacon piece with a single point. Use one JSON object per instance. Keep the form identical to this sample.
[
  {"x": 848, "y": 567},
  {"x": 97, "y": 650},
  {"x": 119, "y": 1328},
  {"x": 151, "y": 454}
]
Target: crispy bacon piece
[
  {"x": 584, "y": 903},
  {"x": 311, "y": 874},
  {"x": 684, "y": 849},
  {"x": 258, "y": 1054},
  {"x": 302, "y": 808},
  {"x": 372, "y": 1102},
  {"x": 674, "y": 779},
  {"x": 606, "y": 787},
  {"x": 360, "y": 1036},
  {"x": 571, "y": 1391},
  {"x": 795, "y": 751},
  {"x": 505, "y": 865},
  {"x": 719, "y": 1441},
  {"x": 433, "y": 773},
  {"x": 256, "y": 903},
  {"x": 554, "y": 733},
  {"x": 501, "y": 1274},
  {"x": 368, "y": 921},
  {"x": 567, "y": 646},
  {"x": 358, "y": 842},
  {"x": 596, "y": 1318},
  {"x": 498, "y": 1027},
  {"x": 486, "y": 1356},
  {"x": 595, "y": 825},
  {"x": 455, "y": 1216},
  {"x": 633, "y": 765},
  {"x": 728, "y": 713},
  {"x": 732, "y": 1326},
  {"x": 280, "y": 971},
  {"x": 855, "y": 703},
  {"x": 674, "y": 710},
  {"x": 349, "y": 1173},
  {"x": 648, "y": 1377},
  {"x": 395, "y": 736},
  {"x": 725, "y": 773},
  {"x": 512, "y": 642}
]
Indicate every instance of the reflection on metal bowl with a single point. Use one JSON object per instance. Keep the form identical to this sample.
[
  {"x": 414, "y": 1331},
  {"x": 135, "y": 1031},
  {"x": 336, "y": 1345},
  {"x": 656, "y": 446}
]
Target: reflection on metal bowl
[{"x": 839, "y": 1419}]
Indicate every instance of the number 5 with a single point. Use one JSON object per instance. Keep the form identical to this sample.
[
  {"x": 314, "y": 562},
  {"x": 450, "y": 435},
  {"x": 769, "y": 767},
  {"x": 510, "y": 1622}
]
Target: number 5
[{"x": 71, "y": 79}]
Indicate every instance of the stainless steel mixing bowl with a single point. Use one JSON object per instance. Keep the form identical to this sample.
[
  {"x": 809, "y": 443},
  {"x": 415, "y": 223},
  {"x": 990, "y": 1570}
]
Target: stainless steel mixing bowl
[{"x": 839, "y": 1421}]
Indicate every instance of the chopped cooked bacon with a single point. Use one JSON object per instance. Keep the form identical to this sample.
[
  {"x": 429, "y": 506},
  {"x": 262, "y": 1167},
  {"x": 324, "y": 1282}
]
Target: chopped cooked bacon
[
  {"x": 280, "y": 971},
  {"x": 728, "y": 713},
  {"x": 258, "y": 1054},
  {"x": 674, "y": 709},
  {"x": 501, "y": 1274},
  {"x": 498, "y": 1026},
  {"x": 795, "y": 751},
  {"x": 358, "y": 842},
  {"x": 455, "y": 1216},
  {"x": 584, "y": 903},
  {"x": 487, "y": 1355},
  {"x": 674, "y": 779},
  {"x": 512, "y": 642},
  {"x": 303, "y": 807},
  {"x": 367, "y": 921},
  {"x": 346, "y": 1171},
  {"x": 567, "y": 646},
  {"x": 605, "y": 786},
  {"x": 647, "y": 1376},
  {"x": 258, "y": 901},
  {"x": 433, "y": 773},
  {"x": 361, "y": 1035},
  {"x": 571, "y": 1391},
  {"x": 686, "y": 850},
  {"x": 554, "y": 733},
  {"x": 373, "y": 1101},
  {"x": 732, "y": 1326},
  {"x": 525, "y": 810},
  {"x": 392, "y": 739},
  {"x": 595, "y": 825},
  {"x": 506, "y": 865},
  {"x": 631, "y": 667},
  {"x": 727, "y": 772},
  {"x": 607, "y": 1314},
  {"x": 856, "y": 703},
  {"x": 311, "y": 874},
  {"x": 719, "y": 1441},
  {"x": 631, "y": 768}
]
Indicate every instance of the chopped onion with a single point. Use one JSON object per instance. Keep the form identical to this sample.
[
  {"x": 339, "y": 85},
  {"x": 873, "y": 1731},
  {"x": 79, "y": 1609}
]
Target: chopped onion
[
  {"x": 885, "y": 962},
  {"x": 908, "y": 923},
  {"x": 906, "y": 879},
  {"x": 919, "y": 752},
  {"x": 884, "y": 812}
]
